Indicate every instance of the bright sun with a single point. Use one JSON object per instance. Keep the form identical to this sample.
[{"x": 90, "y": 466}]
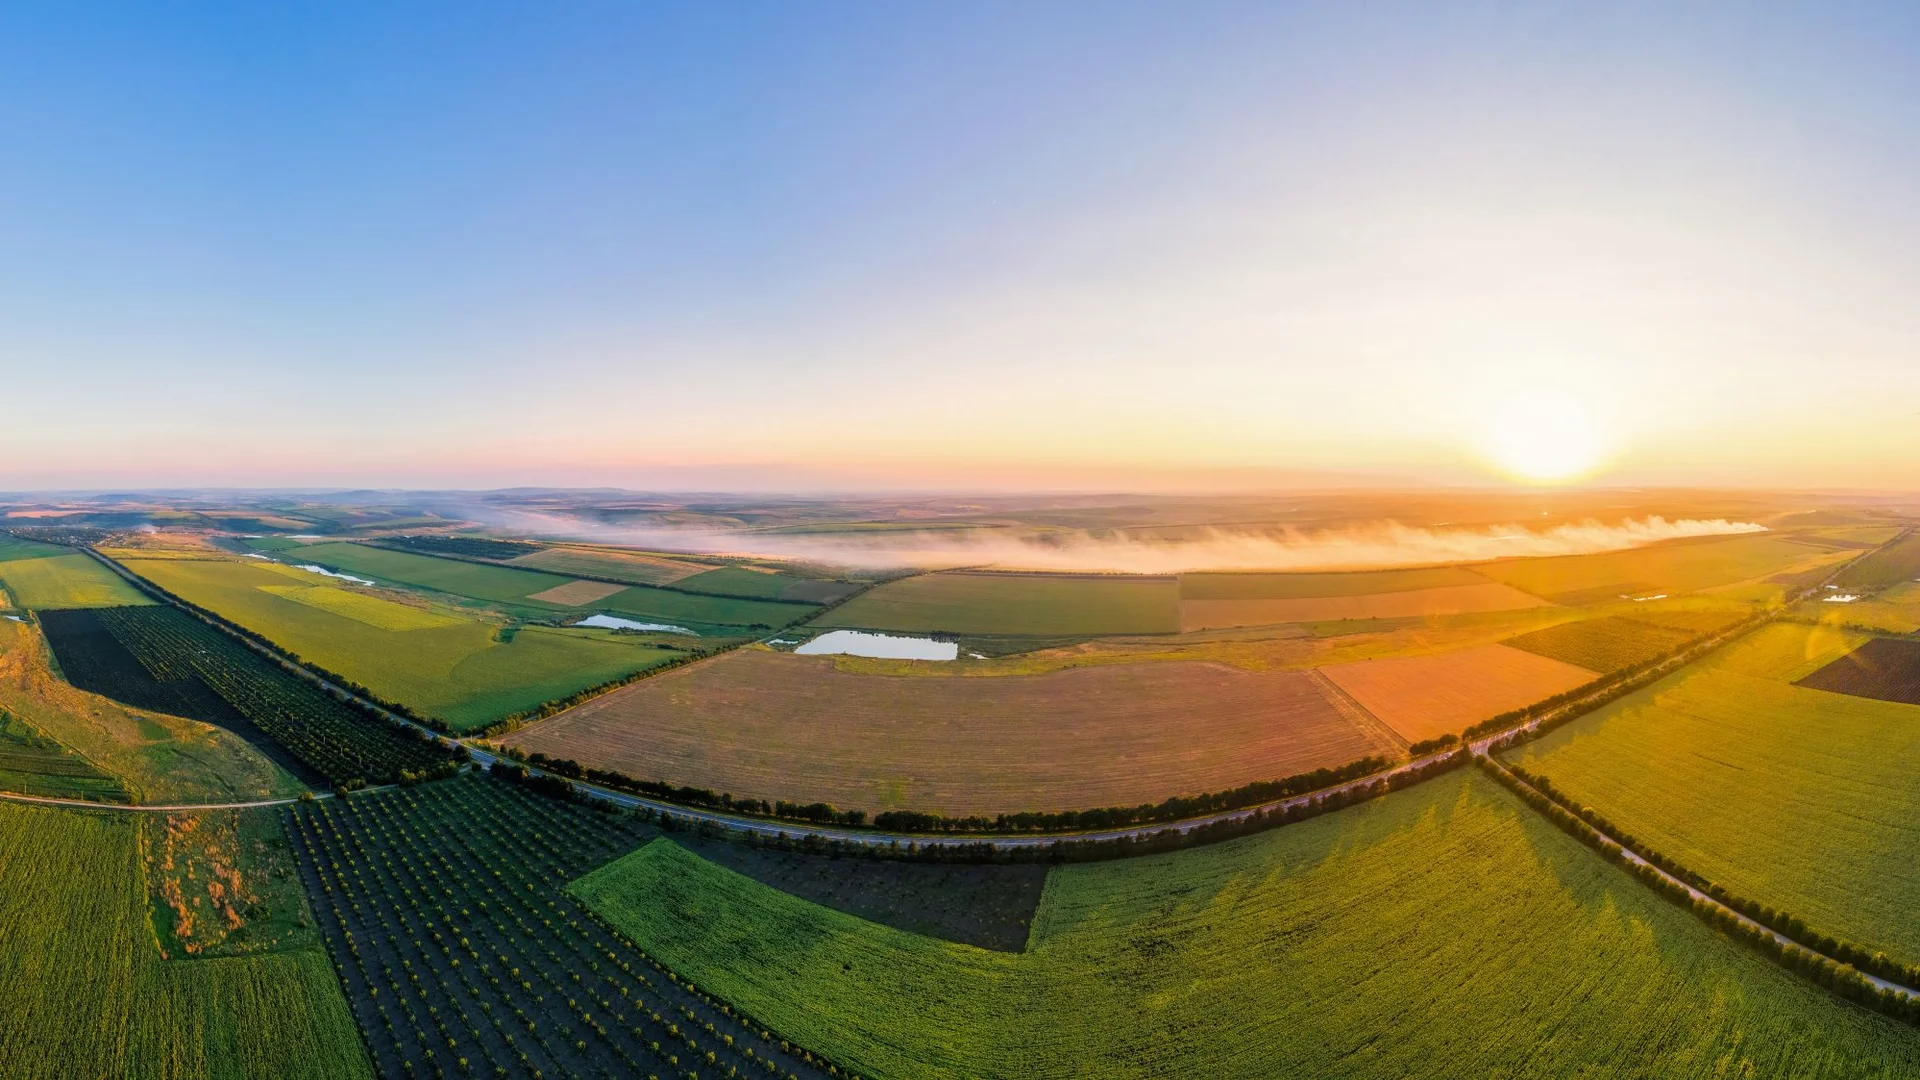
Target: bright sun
[{"x": 1543, "y": 436}]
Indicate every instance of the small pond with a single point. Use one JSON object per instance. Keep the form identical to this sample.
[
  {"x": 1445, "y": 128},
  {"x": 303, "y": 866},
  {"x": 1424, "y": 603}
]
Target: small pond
[
  {"x": 609, "y": 622},
  {"x": 882, "y": 646}
]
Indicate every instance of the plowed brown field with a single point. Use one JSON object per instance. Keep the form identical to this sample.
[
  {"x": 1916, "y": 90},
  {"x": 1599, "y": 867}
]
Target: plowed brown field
[
  {"x": 777, "y": 726},
  {"x": 1422, "y": 697}
]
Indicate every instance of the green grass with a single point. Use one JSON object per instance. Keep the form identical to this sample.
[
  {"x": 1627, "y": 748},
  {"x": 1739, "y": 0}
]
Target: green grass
[
  {"x": 12, "y": 547},
  {"x": 1894, "y": 611},
  {"x": 1446, "y": 931},
  {"x": 737, "y": 581},
  {"x": 475, "y": 580},
  {"x": 273, "y": 543},
  {"x": 1606, "y": 644},
  {"x": 638, "y": 568},
  {"x": 461, "y": 672},
  {"x": 1800, "y": 799},
  {"x": 86, "y": 993},
  {"x": 33, "y": 764},
  {"x": 1016, "y": 604},
  {"x": 1889, "y": 566},
  {"x": 66, "y": 581},
  {"x": 504, "y": 584},
  {"x": 1673, "y": 567},
  {"x": 1291, "y": 586},
  {"x": 703, "y": 611}
]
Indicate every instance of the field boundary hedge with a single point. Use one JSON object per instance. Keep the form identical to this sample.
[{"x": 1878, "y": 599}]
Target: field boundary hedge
[{"x": 1831, "y": 962}]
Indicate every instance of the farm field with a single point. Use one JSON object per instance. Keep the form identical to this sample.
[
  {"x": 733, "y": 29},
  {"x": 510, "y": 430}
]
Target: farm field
[
  {"x": 1883, "y": 669},
  {"x": 778, "y": 726},
  {"x": 155, "y": 757},
  {"x": 1061, "y": 605},
  {"x": 462, "y": 672},
  {"x": 1447, "y": 600},
  {"x": 988, "y": 905},
  {"x": 1894, "y": 611},
  {"x": 1695, "y": 764},
  {"x": 1605, "y": 645},
  {"x": 1890, "y": 566},
  {"x": 33, "y": 764},
  {"x": 530, "y": 588},
  {"x": 65, "y": 581},
  {"x": 465, "y": 946},
  {"x": 1488, "y": 943},
  {"x": 87, "y": 993},
  {"x": 1674, "y": 567},
  {"x": 634, "y": 567},
  {"x": 12, "y": 548},
  {"x": 163, "y": 659},
  {"x": 1307, "y": 585},
  {"x": 1423, "y": 697}
]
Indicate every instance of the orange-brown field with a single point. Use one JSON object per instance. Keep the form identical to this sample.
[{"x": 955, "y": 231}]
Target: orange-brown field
[
  {"x": 577, "y": 593},
  {"x": 1446, "y": 600},
  {"x": 776, "y": 726},
  {"x": 1422, "y": 697}
]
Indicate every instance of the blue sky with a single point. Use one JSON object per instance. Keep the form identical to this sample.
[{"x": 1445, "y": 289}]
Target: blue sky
[{"x": 1086, "y": 244}]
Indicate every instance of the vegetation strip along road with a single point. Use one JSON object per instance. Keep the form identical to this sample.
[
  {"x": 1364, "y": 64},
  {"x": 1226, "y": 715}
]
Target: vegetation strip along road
[{"x": 1699, "y": 898}]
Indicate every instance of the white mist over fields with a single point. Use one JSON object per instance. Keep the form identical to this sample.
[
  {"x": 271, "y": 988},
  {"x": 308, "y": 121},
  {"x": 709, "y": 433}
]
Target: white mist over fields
[{"x": 1376, "y": 546}]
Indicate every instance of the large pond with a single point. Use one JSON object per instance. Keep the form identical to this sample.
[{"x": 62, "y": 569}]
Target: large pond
[
  {"x": 609, "y": 622},
  {"x": 882, "y": 646}
]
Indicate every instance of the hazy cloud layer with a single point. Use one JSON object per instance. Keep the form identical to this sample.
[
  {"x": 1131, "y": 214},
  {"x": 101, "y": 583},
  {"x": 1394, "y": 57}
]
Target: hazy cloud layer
[{"x": 1373, "y": 546}]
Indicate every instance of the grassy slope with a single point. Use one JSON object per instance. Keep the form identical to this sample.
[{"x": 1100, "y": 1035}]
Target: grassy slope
[
  {"x": 84, "y": 993},
  {"x": 66, "y": 581},
  {"x": 1606, "y": 644},
  {"x": 459, "y": 672},
  {"x": 1038, "y": 604},
  {"x": 1487, "y": 941},
  {"x": 157, "y": 758},
  {"x": 1798, "y": 798}
]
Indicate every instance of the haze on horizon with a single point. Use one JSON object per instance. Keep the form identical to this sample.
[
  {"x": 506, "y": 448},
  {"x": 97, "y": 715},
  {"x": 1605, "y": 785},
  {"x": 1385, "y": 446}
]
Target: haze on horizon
[{"x": 890, "y": 246}]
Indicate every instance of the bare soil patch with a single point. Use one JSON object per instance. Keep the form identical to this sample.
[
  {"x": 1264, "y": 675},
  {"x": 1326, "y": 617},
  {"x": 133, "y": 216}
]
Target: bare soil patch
[
  {"x": 778, "y": 726},
  {"x": 577, "y": 593}
]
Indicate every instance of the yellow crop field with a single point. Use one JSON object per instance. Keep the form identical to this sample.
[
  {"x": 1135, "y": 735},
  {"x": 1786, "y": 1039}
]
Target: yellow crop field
[
  {"x": 577, "y": 593},
  {"x": 1423, "y": 697},
  {"x": 1446, "y": 600},
  {"x": 362, "y": 607}
]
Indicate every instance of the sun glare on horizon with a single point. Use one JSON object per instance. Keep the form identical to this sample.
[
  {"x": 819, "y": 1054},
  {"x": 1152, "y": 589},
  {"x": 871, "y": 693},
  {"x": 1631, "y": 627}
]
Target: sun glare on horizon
[{"x": 1543, "y": 436}]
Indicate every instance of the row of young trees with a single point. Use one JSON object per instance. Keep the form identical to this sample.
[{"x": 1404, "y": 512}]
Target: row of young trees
[{"x": 1831, "y": 962}]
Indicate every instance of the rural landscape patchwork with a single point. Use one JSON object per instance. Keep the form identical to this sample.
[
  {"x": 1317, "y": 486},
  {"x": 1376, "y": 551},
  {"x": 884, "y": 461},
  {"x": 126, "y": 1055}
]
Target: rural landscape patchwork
[{"x": 855, "y": 541}]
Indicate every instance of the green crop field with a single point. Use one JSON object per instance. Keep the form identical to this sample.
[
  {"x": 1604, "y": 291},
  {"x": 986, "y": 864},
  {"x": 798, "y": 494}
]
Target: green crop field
[
  {"x": 1888, "y": 566},
  {"x": 460, "y": 578},
  {"x": 1894, "y": 611},
  {"x": 33, "y": 764},
  {"x": 86, "y": 993},
  {"x": 739, "y": 581},
  {"x": 1800, "y": 799},
  {"x": 1292, "y": 586},
  {"x": 1605, "y": 644},
  {"x": 505, "y": 584},
  {"x": 12, "y": 547},
  {"x": 66, "y": 581},
  {"x": 1016, "y": 604},
  {"x": 273, "y": 543},
  {"x": 1485, "y": 940},
  {"x": 634, "y": 567},
  {"x": 460, "y": 672},
  {"x": 1673, "y": 567}
]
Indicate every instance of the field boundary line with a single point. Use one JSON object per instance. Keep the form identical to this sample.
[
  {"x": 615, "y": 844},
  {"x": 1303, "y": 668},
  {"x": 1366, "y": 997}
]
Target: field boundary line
[
  {"x": 1344, "y": 704},
  {"x": 1699, "y": 898}
]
